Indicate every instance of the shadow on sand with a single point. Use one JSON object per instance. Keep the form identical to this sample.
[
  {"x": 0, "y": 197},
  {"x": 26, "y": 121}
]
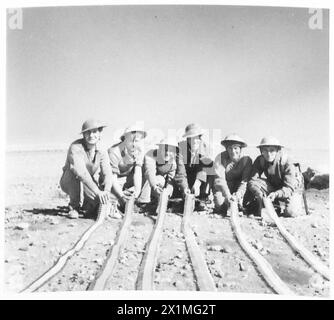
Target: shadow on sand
[{"x": 60, "y": 211}]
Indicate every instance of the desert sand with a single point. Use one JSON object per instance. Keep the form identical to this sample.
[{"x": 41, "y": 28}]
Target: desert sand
[{"x": 37, "y": 232}]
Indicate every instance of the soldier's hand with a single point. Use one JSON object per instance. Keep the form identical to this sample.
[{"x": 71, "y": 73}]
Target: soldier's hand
[
  {"x": 272, "y": 196},
  {"x": 237, "y": 198},
  {"x": 231, "y": 199},
  {"x": 196, "y": 188},
  {"x": 122, "y": 201},
  {"x": 157, "y": 188},
  {"x": 179, "y": 178},
  {"x": 104, "y": 197},
  {"x": 127, "y": 194}
]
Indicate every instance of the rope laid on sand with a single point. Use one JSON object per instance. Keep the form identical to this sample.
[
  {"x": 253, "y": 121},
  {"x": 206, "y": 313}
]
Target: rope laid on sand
[
  {"x": 103, "y": 211},
  {"x": 147, "y": 268},
  {"x": 99, "y": 283},
  {"x": 202, "y": 273},
  {"x": 313, "y": 261},
  {"x": 269, "y": 275}
]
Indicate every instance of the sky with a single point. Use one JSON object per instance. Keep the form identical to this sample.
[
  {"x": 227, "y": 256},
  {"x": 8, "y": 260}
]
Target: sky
[{"x": 255, "y": 71}]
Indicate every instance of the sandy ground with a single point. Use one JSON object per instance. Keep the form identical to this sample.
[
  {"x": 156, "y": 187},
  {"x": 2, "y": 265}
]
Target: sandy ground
[{"x": 37, "y": 232}]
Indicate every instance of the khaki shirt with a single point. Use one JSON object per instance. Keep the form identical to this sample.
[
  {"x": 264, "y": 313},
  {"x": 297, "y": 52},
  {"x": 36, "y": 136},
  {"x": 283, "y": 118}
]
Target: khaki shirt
[
  {"x": 232, "y": 173},
  {"x": 198, "y": 165},
  {"x": 173, "y": 171},
  {"x": 87, "y": 166},
  {"x": 281, "y": 173},
  {"x": 122, "y": 163}
]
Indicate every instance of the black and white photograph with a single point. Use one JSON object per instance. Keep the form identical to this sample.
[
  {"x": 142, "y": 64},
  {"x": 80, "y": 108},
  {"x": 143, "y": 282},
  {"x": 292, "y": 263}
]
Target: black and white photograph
[{"x": 180, "y": 148}]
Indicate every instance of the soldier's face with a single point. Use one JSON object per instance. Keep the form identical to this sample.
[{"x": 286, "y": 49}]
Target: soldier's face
[
  {"x": 269, "y": 153},
  {"x": 134, "y": 142},
  {"x": 234, "y": 152},
  {"x": 195, "y": 143},
  {"x": 93, "y": 136},
  {"x": 168, "y": 152}
]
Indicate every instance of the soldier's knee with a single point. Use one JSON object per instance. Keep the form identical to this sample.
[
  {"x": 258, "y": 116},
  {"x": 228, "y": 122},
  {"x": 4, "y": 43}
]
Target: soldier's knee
[
  {"x": 254, "y": 187},
  {"x": 217, "y": 185},
  {"x": 160, "y": 180},
  {"x": 218, "y": 199}
]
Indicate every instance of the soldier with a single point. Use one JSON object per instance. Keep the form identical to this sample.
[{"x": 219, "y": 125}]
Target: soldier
[
  {"x": 195, "y": 156},
  {"x": 126, "y": 160},
  {"x": 164, "y": 169},
  {"x": 232, "y": 171},
  {"x": 87, "y": 176},
  {"x": 283, "y": 181}
]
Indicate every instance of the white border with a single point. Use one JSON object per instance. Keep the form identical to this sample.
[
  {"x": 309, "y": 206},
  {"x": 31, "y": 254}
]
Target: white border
[{"x": 148, "y": 295}]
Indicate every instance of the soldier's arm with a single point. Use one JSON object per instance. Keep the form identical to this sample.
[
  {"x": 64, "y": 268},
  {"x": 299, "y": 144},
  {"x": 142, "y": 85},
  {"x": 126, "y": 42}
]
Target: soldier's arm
[
  {"x": 78, "y": 167},
  {"x": 181, "y": 175},
  {"x": 220, "y": 178},
  {"x": 289, "y": 181},
  {"x": 246, "y": 173},
  {"x": 106, "y": 172},
  {"x": 114, "y": 160},
  {"x": 150, "y": 169},
  {"x": 137, "y": 179},
  {"x": 257, "y": 169},
  {"x": 205, "y": 168}
]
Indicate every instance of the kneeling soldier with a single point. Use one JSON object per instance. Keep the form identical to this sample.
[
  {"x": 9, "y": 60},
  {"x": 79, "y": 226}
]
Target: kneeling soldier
[
  {"x": 232, "y": 174},
  {"x": 198, "y": 164},
  {"x": 126, "y": 159},
  {"x": 87, "y": 177},
  {"x": 284, "y": 182},
  {"x": 164, "y": 169}
]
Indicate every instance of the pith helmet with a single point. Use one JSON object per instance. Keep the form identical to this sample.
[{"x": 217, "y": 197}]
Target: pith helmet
[
  {"x": 233, "y": 138},
  {"x": 269, "y": 141},
  {"x": 170, "y": 141},
  {"x": 91, "y": 124},
  {"x": 132, "y": 129},
  {"x": 193, "y": 130}
]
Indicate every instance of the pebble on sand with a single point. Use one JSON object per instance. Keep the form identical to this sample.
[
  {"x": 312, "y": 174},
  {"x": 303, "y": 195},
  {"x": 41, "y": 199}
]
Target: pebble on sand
[
  {"x": 316, "y": 281},
  {"x": 53, "y": 221},
  {"x": 227, "y": 249},
  {"x": 213, "y": 261},
  {"x": 10, "y": 259},
  {"x": 109, "y": 243},
  {"x": 314, "y": 225},
  {"x": 91, "y": 277},
  {"x": 268, "y": 235},
  {"x": 218, "y": 273},
  {"x": 137, "y": 236},
  {"x": 99, "y": 261},
  {"x": 22, "y": 226},
  {"x": 183, "y": 273},
  {"x": 242, "y": 266},
  {"x": 187, "y": 267},
  {"x": 199, "y": 241},
  {"x": 320, "y": 253},
  {"x": 214, "y": 248},
  {"x": 178, "y": 284},
  {"x": 257, "y": 245}
]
